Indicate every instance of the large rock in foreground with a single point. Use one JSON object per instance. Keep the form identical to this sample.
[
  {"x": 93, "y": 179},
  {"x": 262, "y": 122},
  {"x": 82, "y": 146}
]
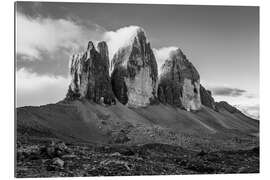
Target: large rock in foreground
[
  {"x": 134, "y": 71},
  {"x": 90, "y": 75},
  {"x": 179, "y": 82}
]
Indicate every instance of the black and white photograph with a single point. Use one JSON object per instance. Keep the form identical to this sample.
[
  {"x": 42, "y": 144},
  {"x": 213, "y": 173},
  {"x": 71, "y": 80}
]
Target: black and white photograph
[{"x": 126, "y": 89}]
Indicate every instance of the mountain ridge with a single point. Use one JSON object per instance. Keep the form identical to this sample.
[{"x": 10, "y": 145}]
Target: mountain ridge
[{"x": 133, "y": 105}]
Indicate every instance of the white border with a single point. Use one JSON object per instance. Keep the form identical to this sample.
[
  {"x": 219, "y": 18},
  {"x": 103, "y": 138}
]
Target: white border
[{"x": 7, "y": 86}]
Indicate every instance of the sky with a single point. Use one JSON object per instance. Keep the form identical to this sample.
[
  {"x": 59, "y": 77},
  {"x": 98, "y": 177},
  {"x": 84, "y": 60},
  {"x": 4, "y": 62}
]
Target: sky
[{"x": 222, "y": 42}]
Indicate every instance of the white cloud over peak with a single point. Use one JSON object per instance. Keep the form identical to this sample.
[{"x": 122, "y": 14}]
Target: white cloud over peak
[
  {"x": 46, "y": 34},
  {"x": 35, "y": 89},
  {"x": 162, "y": 54},
  {"x": 119, "y": 38}
]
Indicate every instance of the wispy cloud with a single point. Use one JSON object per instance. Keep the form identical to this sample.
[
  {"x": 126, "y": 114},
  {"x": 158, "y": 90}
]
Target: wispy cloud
[
  {"x": 227, "y": 91},
  {"x": 37, "y": 89},
  {"x": 35, "y": 34},
  {"x": 244, "y": 100},
  {"x": 119, "y": 38}
]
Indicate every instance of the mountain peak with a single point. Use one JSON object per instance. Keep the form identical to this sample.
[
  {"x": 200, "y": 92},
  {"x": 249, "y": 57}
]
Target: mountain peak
[
  {"x": 130, "y": 33},
  {"x": 126, "y": 38},
  {"x": 90, "y": 45},
  {"x": 90, "y": 75},
  {"x": 134, "y": 70},
  {"x": 179, "y": 82},
  {"x": 135, "y": 30}
]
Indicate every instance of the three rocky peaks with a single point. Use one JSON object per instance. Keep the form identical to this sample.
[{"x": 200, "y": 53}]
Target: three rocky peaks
[{"x": 134, "y": 79}]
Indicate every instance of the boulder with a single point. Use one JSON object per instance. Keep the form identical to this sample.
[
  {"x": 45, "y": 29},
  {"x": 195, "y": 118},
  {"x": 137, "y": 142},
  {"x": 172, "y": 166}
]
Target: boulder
[
  {"x": 134, "y": 71},
  {"x": 58, "y": 162},
  {"x": 179, "y": 82}
]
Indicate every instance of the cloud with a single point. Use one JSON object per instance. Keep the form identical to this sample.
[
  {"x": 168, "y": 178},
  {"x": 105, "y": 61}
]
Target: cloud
[
  {"x": 119, "y": 38},
  {"x": 252, "y": 111},
  {"x": 239, "y": 98},
  {"x": 162, "y": 54},
  {"x": 38, "y": 34},
  {"x": 227, "y": 91},
  {"x": 251, "y": 96},
  {"x": 34, "y": 89}
]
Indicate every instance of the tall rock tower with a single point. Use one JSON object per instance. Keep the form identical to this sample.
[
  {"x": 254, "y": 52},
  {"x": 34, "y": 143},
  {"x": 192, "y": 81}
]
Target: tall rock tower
[
  {"x": 89, "y": 73},
  {"x": 134, "y": 71},
  {"x": 179, "y": 82}
]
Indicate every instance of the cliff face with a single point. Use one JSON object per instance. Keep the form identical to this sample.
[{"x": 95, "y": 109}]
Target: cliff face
[
  {"x": 89, "y": 73},
  {"x": 134, "y": 79},
  {"x": 179, "y": 82},
  {"x": 134, "y": 71},
  {"x": 206, "y": 98}
]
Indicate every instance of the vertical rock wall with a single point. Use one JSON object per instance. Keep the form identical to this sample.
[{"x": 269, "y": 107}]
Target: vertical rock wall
[
  {"x": 134, "y": 75},
  {"x": 134, "y": 78},
  {"x": 90, "y": 75}
]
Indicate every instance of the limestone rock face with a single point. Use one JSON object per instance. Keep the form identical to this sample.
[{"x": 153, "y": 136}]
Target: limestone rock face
[
  {"x": 206, "y": 98},
  {"x": 89, "y": 73},
  {"x": 134, "y": 71},
  {"x": 179, "y": 82}
]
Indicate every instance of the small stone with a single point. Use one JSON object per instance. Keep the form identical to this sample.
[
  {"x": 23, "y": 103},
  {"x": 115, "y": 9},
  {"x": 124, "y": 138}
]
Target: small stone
[
  {"x": 116, "y": 154},
  {"x": 50, "y": 150},
  {"x": 62, "y": 146},
  {"x": 69, "y": 156},
  {"x": 58, "y": 162}
]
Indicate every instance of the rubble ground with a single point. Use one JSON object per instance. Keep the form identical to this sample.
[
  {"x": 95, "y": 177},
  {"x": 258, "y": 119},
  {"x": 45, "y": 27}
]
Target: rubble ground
[{"x": 56, "y": 159}]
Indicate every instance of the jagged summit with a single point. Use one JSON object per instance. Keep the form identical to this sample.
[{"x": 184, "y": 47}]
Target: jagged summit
[
  {"x": 176, "y": 55},
  {"x": 133, "y": 34},
  {"x": 89, "y": 73},
  {"x": 134, "y": 71},
  {"x": 179, "y": 82},
  {"x": 134, "y": 79}
]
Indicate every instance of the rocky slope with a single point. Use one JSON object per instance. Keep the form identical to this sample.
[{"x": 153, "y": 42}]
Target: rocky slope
[
  {"x": 59, "y": 159},
  {"x": 179, "y": 82},
  {"x": 89, "y": 73},
  {"x": 205, "y": 141},
  {"x": 134, "y": 71}
]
